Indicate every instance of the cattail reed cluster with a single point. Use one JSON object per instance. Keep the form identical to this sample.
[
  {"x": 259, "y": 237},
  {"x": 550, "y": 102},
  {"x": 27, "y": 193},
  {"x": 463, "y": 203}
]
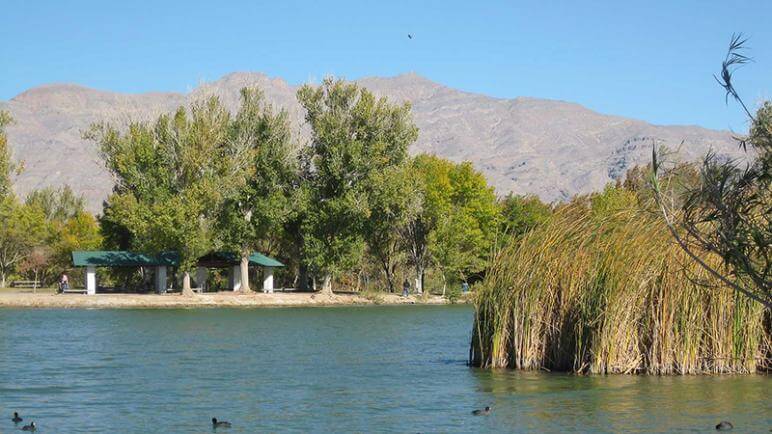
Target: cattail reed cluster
[{"x": 605, "y": 293}]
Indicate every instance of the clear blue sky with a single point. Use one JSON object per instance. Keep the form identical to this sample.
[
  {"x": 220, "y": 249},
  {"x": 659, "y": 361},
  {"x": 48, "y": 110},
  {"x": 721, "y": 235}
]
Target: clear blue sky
[{"x": 651, "y": 60}]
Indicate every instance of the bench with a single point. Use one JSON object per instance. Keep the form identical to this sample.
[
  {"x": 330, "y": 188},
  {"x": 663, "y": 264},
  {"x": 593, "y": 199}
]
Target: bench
[
  {"x": 25, "y": 284},
  {"x": 75, "y": 291},
  {"x": 198, "y": 290}
]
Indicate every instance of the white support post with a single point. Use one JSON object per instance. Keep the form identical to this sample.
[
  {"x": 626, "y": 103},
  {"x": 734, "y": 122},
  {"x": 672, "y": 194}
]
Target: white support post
[
  {"x": 236, "y": 278},
  {"x": 268, "y": 279},
  {"x": 160, "y": 279},
  {"x": 201, "y": 273},
  {"x": 90, "y": 280}
]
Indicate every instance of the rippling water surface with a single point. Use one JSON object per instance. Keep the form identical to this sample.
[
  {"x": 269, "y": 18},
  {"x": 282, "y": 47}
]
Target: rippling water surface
[{"x": 361, "y": 369}]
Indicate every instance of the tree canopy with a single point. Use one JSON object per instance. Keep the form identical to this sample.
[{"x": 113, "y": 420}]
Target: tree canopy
[
  {"x": 57, "y": 204},
  {"x": 520, "y": 214},
  {"x": 356, "y": 139},
  {"x": 253, "y": 216},
  {"x": 458, "y": 220},
  {"x": 23, "y": 229},
  {"x": 172, "y": 178},
  {"x": 204, "y": 178}
]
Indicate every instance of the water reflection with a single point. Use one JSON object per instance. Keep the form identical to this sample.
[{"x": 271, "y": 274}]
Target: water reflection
[{"x": 559, "y": 402}]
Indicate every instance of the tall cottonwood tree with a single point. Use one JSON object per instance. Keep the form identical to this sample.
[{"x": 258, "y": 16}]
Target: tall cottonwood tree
[
  {"x": 355, "y": 138},
  {"x": 253, "y": 217},
  {"x": 172, "y": 177},
  {"x": 392, "y": 201}
]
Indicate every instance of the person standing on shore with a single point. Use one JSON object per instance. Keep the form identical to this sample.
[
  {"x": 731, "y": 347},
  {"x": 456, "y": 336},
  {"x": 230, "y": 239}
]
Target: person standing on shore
[
  {"x": 405, "y": 288},
  {"x": 64, "y": 283}
]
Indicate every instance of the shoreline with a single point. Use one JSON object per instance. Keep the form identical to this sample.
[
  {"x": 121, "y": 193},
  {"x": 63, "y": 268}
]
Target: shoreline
[{"x": 209, "y": 300}]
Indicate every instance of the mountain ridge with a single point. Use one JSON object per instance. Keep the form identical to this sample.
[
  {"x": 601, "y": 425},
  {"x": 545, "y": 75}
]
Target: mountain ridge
[{"x": 552, "y": 148}]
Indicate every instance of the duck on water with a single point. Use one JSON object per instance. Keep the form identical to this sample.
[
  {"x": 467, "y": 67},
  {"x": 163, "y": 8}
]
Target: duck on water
[
  {"x": 16, "y": 418},
  {"x": 220, "y": 423},
  {"x": 482, "y": 412}
]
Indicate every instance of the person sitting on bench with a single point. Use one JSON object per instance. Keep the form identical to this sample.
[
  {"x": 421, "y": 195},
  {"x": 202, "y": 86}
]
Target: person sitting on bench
[{"x": 64, "y": 283}]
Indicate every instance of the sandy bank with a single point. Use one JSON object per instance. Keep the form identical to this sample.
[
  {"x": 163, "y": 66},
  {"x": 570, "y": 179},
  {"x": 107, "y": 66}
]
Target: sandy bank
[{"x": 221, "y": 299}]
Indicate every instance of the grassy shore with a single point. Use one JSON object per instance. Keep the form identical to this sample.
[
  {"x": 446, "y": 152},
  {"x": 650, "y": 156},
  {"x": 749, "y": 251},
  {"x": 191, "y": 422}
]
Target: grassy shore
[{"x": 48, "y": 299}]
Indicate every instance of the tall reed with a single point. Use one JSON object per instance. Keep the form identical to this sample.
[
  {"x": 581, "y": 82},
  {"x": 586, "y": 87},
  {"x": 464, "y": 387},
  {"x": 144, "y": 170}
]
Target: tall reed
[{"x": 612, "y": 293}]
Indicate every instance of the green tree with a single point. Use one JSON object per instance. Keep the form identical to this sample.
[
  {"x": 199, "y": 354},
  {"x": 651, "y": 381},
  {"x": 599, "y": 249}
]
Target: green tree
[
  {"x": 35, "y": 264},
  {"x": 292, "y": 235},
  {"x": 612, "y": 199},
  {"x": 6, "y": 165},
  {"x": 520, "y": 214},
  {"x": 391, "y": 203},
  {"x": 171, "y": 180},
  {"x": 68, "y": 227},
  {"x": 432, "y": 186},
  {"x": 79, "y": 232},
  {"x": 58, "y": 204},
  {"x": 354, "y": 137},
  {"x": 465, "y": 237},
  {"x": 456, "y": 225},
  {"x": 23, "y": 228},
  {"x": 253, "y": 217}
]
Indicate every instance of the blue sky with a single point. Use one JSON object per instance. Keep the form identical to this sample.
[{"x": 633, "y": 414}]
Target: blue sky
[{"x": 651, "y": 60}]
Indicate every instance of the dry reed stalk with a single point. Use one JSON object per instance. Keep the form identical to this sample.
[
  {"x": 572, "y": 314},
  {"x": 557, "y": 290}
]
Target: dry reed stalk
[{"x": 612, "y": 294}]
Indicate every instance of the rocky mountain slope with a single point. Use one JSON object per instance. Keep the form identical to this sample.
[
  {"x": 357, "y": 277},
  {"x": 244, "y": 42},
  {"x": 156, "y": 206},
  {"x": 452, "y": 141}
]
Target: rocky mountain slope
[{"x": 554, "y": 149}]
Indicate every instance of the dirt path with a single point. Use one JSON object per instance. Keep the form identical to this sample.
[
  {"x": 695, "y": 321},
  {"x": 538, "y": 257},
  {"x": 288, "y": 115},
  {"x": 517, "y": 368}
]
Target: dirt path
[{"x": 221, "y": 299}]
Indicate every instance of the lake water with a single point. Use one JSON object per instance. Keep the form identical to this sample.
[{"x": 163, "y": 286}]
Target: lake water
[{"x": 360, "y": 369}]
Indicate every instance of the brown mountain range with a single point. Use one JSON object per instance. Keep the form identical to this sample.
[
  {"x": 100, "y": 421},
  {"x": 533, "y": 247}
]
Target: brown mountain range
[{"x": 553, "y": 149}]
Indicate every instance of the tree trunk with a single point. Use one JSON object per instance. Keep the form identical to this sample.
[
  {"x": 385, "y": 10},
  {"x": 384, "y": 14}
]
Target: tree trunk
[
  {"x": 389, "y": 274},
  {"x": 326, "y": 285},
  {"x": 303, "y": 278},
  {"x": 2, "y": 279},
  {"x": 419, "y": 280},
  {"x": 186, "y": 290},
  {"x": 245, "y": 274}
]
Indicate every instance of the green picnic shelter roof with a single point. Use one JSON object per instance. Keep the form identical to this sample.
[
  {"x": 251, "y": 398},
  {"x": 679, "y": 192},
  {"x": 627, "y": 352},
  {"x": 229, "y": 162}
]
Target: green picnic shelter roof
[
  {"x": 265, "y": 261},
  {"x": 221, "y": 259},
  {"x": 120, "y": 258}
]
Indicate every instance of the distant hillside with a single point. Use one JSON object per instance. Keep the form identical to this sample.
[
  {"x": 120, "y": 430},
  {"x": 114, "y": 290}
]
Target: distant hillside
[{"x": 554, "y": 149}]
